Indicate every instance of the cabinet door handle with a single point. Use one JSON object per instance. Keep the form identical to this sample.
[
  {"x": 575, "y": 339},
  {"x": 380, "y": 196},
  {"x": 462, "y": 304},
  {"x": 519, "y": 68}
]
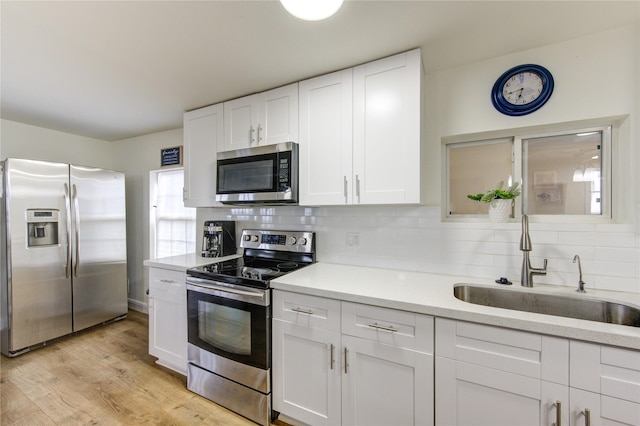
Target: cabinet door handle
[
  {"x": 587, "y": 416},
  {"x": 384, "y": 327},
  {"x": 252, "y": 134},
  {"x": 358, "y": 187},
  {"x": 302, "y": 311},
  {"x": 346, "y": 361},
  {"x": 345, "y": 189},
  {"x": 259, "y": 134},
  {"x": 332, "y": 361},
  {"x": 558, "y": 406}
]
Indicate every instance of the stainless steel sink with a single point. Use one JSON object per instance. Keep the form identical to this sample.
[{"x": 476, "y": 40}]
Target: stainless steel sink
[{"x": 559, "y": 305}]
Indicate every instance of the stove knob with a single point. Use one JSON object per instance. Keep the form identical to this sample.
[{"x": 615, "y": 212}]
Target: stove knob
[
  {"x": 254, "y": 238},
  {"x": 247, "y": 237},
  {"x": 302, "y": 241},
  {"x": 292, "y": 240}
]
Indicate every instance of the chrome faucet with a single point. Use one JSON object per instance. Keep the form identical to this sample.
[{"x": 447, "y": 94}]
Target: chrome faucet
[
  {"x": 581, "y": 283},
  {"x": 526, "y": 278}
]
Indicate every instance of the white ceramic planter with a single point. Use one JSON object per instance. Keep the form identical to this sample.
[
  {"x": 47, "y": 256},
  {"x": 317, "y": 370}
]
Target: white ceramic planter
[{"x": 500, "y": 210}]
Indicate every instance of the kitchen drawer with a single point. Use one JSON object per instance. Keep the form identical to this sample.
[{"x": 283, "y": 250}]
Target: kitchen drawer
[
  {"x": 512, "y": 351},
  {"x": 604, "y": 410},
  {"x": 389, "y": 326},
  {"x": 606, "y": 370},
  {"x": 167, "y": 285},
  {"x": 310, "y": 311}
]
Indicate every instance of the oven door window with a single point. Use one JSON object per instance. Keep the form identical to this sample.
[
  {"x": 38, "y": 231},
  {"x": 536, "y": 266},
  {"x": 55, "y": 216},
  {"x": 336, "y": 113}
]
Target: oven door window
[
  {"x": 229, "y": 328},
  {"x": 224, "y": 327}
]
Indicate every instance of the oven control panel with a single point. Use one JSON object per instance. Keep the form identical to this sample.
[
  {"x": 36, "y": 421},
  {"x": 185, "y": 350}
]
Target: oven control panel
[{"x": 294, "y": 241}]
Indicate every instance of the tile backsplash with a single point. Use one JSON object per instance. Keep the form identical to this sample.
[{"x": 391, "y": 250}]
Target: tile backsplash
[{"x": 415, "y": 239}]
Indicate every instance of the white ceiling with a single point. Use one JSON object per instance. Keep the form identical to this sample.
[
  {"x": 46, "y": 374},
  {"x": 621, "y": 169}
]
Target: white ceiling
[{"x": 118, "y": 69}]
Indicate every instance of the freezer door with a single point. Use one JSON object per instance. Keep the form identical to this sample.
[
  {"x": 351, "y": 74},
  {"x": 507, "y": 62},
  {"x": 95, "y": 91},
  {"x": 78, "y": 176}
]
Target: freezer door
[
  {"x": 36, "y": 290},
  {"x": 99, "y": 246}
]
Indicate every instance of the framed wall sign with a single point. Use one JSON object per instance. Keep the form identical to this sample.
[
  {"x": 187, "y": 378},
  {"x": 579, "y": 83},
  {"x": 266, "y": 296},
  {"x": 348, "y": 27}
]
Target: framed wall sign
[{"x": 171, "y": 157}]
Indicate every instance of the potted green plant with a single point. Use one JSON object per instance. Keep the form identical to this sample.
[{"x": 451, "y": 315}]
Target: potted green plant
[{"x": 500, "y": 200}]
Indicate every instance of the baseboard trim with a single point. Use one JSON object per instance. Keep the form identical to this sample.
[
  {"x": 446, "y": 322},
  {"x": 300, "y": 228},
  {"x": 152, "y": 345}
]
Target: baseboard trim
[{"x": 139, "y": 306}]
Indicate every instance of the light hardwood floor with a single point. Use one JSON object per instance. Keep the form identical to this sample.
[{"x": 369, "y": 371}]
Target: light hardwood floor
[{"x": 103, "y": 376}]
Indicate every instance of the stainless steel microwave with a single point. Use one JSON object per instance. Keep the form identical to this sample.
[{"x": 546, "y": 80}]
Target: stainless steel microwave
[{"x": 261, "y": 175}]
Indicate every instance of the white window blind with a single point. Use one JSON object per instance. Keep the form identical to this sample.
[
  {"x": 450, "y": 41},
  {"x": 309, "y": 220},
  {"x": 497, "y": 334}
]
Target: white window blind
[{"x": 174, "y": 224}]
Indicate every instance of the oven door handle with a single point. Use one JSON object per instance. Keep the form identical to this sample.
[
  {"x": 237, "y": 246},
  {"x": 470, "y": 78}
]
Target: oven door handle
[{"x": 207, "y": 286}]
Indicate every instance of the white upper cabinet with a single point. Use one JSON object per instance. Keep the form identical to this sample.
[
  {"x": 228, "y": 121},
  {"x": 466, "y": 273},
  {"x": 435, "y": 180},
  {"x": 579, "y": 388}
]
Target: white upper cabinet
[
  {"x": 387, "y": 98},
  {"x": 203, "y": 134},
  {"x": 240, "y": 123},
  {"x": 360, "y": 134},
  {"x": 262, "y": 119},
  {"x": 326, "y": 152}
]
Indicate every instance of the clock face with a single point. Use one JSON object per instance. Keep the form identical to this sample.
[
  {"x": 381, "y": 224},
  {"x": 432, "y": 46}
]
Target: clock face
[{"x": 522, "y": 90}]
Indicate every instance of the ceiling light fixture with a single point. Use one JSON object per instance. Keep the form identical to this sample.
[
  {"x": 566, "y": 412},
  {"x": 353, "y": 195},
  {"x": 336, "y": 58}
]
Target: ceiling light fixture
[{"x": 312, "y": 10}]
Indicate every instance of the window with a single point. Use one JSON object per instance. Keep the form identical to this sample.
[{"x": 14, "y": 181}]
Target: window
[
  {"x": 562, "y": 173},
  {"x": 475, "y": 167},
  {"x": 172, "y": 225}
]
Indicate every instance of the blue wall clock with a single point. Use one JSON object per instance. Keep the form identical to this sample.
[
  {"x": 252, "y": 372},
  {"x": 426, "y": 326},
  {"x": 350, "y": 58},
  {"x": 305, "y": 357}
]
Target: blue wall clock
[{"x": 522, "y": 90}]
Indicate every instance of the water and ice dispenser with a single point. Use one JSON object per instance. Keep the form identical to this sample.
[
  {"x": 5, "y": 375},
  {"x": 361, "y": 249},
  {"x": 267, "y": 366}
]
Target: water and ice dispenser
[{"x": 42, "y": 227}]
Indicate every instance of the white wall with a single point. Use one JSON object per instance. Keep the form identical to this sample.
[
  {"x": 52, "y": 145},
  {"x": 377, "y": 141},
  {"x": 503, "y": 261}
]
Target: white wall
[
  {"x": 136, "y": 157},
  {"x": 19, "y": 140},
  {"x": 595, "y": 76}
]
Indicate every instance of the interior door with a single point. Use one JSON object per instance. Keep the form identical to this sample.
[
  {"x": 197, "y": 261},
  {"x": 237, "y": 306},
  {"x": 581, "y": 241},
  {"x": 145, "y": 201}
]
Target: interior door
[{"x": 99, "y": 246}]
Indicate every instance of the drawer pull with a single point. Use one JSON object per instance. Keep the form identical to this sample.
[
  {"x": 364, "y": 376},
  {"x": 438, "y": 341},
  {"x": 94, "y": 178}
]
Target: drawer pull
[
  {"x": 167, "y": 281},
  {"x": 587, "y": 416},
  {"x": 302, "y": 311},
  {"x": 558, "y": 406},
  {"x": 388, "y": 328}
]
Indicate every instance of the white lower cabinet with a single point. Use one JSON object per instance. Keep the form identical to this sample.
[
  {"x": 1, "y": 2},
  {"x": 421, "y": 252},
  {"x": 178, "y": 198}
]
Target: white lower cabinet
[
  {"x": 385, "y": 385},
  {"x": 605, "y": 385},
  {"x": 352, "y": 364},
  {"x": 346, "y": 363},
  {"x": 306, "y": 386},
  {"x": 489, "y": 375},
  {"x": 168, "y": 318},
  {"x": 493, "y": 376}
]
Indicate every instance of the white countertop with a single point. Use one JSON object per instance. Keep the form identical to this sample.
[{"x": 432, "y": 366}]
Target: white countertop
[
  {"x": 183, "y": 262},
  {"x": 432, "y": 294}
]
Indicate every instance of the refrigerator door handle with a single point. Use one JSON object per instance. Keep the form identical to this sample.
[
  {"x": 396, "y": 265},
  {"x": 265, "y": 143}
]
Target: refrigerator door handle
[
  {"x": 67, "y": 204},
  {"x": 77, "y": 230}
]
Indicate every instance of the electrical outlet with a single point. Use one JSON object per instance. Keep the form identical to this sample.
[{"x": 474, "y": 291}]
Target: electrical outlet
[{"x": 353, "y": 239}]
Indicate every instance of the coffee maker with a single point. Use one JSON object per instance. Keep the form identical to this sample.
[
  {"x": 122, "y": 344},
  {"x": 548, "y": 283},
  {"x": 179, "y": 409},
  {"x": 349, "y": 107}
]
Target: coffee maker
[{"x": 219, "y": 238}]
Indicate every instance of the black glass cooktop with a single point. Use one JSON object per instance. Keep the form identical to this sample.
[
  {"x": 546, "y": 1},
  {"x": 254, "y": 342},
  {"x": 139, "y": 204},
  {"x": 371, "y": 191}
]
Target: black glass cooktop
[{"x": 248, "y": 270}]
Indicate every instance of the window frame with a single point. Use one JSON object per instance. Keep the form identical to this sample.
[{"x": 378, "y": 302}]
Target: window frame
[
  {"x": 447, "y": 180},
  {"x": 153, "y": 220},
  {"x": 607, "y": 127}
]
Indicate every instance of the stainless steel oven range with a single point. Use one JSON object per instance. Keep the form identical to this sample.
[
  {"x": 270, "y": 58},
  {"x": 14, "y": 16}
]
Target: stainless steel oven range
[{"x": 229, "y": 320}]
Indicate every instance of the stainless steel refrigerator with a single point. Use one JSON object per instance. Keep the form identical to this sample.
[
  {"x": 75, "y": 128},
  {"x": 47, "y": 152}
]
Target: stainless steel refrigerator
[{"x": 64, "y": 254}]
